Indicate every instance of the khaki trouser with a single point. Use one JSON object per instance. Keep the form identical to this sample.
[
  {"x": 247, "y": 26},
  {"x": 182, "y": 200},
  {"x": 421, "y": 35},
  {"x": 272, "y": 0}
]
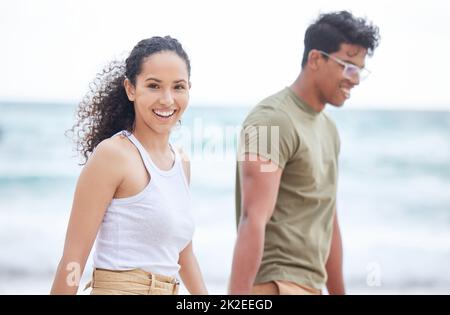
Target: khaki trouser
[
  {"x": 131, "y": 282},
  {"x": 278, "y": 287}
]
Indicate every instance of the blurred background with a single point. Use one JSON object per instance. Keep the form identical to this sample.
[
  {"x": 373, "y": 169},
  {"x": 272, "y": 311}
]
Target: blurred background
[{"x": 394, "y": 184}]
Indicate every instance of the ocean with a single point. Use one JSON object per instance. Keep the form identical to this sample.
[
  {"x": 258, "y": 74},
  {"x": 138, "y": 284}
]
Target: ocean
[{"x": 393, "y": 195}]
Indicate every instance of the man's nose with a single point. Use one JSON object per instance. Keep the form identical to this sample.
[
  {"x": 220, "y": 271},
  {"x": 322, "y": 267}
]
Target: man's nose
[{"x": 355, "y": 80}]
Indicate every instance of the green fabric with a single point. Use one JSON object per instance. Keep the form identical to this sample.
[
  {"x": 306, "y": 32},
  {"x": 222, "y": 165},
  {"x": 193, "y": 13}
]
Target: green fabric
[{"x": 298, "y": 235}]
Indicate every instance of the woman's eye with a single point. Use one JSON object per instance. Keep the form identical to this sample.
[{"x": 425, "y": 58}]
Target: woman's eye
[
  {"x": 153, "y": 86},
  {"x": 179, "y": 87}
]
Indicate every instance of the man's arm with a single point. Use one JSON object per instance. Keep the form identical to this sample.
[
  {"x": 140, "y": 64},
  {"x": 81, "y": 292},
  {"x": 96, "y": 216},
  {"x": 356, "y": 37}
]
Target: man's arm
[
  {"x": 259, "y": 192},
  {"x": 335, "y": 283}
]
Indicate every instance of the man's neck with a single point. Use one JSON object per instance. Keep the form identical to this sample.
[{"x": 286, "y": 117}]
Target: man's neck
[{"x": 305, "y": 90}]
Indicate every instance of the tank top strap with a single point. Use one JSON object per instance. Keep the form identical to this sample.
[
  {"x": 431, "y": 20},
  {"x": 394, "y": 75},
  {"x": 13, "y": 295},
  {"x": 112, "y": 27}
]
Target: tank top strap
[
  {"x": 177, "y": 156},
  {"x": 180, "y": 166},
  {"x": 144, "y": 154},
  {"x": 124, "y": 133},
  {"x": 149, "y": 164}
]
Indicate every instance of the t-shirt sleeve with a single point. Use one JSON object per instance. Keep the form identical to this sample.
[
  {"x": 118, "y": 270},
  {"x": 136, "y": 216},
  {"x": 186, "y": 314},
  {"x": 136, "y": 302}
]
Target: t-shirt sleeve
[{"x": 268, "y": 133}]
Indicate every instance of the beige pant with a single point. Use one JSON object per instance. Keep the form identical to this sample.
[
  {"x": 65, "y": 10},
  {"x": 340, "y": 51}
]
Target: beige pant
[
  {"x": 131, "y": 282},
  {"x": 278, "y": 287}
]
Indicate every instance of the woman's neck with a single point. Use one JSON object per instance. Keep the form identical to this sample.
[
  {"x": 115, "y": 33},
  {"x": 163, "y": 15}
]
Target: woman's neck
[{"x": 151, "y": 140}]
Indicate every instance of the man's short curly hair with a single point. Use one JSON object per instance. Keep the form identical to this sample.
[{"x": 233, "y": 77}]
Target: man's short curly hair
[{"x": 331, "y": 30}]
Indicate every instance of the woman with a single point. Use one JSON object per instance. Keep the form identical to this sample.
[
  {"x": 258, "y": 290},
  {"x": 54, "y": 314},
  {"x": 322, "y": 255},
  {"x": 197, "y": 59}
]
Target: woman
[{"x": 132, "y": 196}]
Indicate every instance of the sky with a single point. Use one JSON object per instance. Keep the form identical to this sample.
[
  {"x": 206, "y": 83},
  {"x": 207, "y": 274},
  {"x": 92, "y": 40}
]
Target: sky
[{"x": 241, "y": 51}]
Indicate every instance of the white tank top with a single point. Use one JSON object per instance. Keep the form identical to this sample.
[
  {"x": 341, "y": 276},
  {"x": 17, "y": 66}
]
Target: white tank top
[{"x": 148, "y": 230}]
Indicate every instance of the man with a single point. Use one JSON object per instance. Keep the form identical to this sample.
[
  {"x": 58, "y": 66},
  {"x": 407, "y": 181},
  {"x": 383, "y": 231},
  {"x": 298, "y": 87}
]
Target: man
[{"x": 288, "y": 234}]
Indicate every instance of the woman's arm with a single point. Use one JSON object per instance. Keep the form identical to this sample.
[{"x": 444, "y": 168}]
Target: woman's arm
[
  {"x": 95, "y": 188},
  {"x": 190, "y": 272}
]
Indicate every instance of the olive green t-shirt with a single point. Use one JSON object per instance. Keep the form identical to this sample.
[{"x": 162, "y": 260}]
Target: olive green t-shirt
[{"x": 305, "y": 145}]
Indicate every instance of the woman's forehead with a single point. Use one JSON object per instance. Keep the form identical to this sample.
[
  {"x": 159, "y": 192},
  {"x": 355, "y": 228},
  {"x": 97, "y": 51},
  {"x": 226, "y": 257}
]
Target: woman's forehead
[{"x": 166, "y": 64}]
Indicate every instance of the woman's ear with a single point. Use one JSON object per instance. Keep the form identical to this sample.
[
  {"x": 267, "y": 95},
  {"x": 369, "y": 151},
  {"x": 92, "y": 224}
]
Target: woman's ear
[
  {"x": 190, "y": 85},
  {"x": 129, "y": 89}
]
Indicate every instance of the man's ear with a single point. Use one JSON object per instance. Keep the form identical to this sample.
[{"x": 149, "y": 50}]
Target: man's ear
[
  {"x": 129, "y": 89},
  {"x": 190, "y": 85},
  {"x": 314, "y": 57}
]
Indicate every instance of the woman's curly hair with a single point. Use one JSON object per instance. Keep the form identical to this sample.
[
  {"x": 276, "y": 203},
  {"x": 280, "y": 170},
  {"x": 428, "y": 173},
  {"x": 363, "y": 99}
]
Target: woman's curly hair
[{"x": 106, "y": 109}]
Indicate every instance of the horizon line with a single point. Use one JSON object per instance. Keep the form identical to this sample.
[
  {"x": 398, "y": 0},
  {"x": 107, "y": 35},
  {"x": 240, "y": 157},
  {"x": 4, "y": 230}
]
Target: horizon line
[{"x": 366, "y": 107}]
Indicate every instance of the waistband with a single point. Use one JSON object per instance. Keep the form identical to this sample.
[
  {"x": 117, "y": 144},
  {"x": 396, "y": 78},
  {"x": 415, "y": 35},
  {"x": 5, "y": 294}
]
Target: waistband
[{"x": 135, "y": 281}]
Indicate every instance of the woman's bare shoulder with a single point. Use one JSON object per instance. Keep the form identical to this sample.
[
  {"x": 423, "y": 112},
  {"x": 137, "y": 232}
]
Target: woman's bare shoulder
[
  {"x": 111, "y": 156},
  {"x": 115, "y": 148}
]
